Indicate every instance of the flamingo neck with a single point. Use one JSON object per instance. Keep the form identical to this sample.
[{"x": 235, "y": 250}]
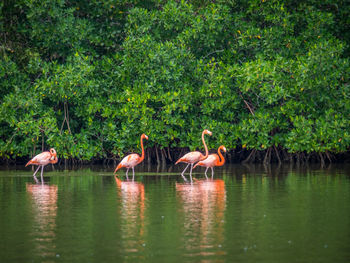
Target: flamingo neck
[
  {"x": 142, "y": 151},
  {"x": 221, "y": 162},
  {"x": 205, "y": 147}
]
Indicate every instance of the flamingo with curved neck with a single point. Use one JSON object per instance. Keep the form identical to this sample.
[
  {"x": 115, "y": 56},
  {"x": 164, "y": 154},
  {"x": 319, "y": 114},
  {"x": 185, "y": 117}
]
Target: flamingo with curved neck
[
  {"x": 131, "y": 160},
  {"x": 43, "y": 159},
  {"x": 212, "y": 161},
  {"x": 192, "y": 157}
]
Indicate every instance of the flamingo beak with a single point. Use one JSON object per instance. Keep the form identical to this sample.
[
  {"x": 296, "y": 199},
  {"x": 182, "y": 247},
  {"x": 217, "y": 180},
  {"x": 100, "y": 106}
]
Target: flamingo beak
[
  {"x": 146, "y": 137},
  {"x": 210, "y": 133},
  {"x": 224, "y": 149}
]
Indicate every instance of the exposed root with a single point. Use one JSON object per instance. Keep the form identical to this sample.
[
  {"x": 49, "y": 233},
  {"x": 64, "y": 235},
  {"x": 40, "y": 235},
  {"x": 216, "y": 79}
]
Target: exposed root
[
  {"x": 250, "y": 156},
  {"x": 277, "y": 154}
]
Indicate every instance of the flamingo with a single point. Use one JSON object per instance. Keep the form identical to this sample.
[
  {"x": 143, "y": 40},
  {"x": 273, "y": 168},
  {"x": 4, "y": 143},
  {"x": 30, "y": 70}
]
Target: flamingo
[
  {"x": 131, "y": 160},
  {"x": 43, "y": 159},
  {"x": 213, "y": 160},
  {"x": 193, "y": 157}
]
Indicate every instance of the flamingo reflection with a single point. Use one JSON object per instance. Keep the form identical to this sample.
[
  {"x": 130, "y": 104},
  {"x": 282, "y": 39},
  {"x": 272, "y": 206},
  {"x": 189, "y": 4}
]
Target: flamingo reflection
[
  {"x": 44, "y": 202},
  {"x": 203, "y": 205},
  {"x": 132, "y": 196}
]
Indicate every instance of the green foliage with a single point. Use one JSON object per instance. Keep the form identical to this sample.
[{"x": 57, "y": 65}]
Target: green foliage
[{"x": 88, "y": 77}]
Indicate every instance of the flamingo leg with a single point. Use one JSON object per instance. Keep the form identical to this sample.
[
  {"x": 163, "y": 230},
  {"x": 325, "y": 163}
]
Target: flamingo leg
[
  {"x": 191, "y": 171},
  {"x": 133, "y": 174},
  {"x": 36, "y": 171},
  {"x": 36, "y": 179},
  {"x": 42, "y": 171},
  {"x": 127, "y": 170},
  {"x": 212, "y": 172},
  {"x": 185, "y": 169},
  {"x": 205, "y": 173}
]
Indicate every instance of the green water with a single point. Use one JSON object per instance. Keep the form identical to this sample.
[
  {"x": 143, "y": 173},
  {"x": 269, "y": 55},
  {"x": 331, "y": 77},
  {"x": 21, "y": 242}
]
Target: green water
[{"x": 244, "y": 214}]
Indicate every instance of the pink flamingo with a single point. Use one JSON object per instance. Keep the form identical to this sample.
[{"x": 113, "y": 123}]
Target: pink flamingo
[
  {"x": 43, "y": 159},
  {"x": 131, "y": 160},
  {"x": 193, "y": 157},
  {"x": 213, "y": 160}
]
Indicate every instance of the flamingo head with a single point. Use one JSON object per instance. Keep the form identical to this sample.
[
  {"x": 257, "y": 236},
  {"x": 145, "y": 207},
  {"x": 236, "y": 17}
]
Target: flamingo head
[
  {"x": 223, "y": 148},
  {"x": 144, "y": 136},
  {"x": 53, "y": 152},
  {"x": 207, "y": 132},
  {"x": 53, "y": 156}
]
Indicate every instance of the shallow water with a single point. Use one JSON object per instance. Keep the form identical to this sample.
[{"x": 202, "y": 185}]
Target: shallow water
[{"x": 243, "y": 214}]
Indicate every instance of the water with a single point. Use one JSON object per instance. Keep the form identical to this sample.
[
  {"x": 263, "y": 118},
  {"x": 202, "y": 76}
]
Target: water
[{"x": 244, "y": 214}]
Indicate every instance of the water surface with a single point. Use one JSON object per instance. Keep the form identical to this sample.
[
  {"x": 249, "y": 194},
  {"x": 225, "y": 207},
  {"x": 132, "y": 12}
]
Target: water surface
[{"x": 243, "y": 214}]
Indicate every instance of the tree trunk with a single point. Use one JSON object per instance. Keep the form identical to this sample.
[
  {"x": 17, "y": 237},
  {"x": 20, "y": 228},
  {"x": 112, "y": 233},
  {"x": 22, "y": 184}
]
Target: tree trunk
[
  {"x": 163, "y": 154},
  {"x": 169, "y": 155},
  {"x": 157, "y": 155}
]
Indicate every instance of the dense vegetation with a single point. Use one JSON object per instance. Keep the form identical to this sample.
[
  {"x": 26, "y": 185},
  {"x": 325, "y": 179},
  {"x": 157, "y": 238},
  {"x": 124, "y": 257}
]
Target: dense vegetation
[{"x": 269, "y": 78}]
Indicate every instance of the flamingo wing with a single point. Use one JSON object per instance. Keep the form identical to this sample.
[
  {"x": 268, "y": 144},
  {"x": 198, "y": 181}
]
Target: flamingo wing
[
  {"x": 40, "y": 159},
  {"x": 130, "y": 160},
  {"x": 190, "y": 157}
]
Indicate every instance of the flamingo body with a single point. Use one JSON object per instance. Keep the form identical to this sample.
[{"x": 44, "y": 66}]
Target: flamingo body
[
  {"x": 131, "y": 160},
  {"x": 191, "y": 157},
  {"x": 43, "y": 159},
  {"x": 213, "y": 160}
]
